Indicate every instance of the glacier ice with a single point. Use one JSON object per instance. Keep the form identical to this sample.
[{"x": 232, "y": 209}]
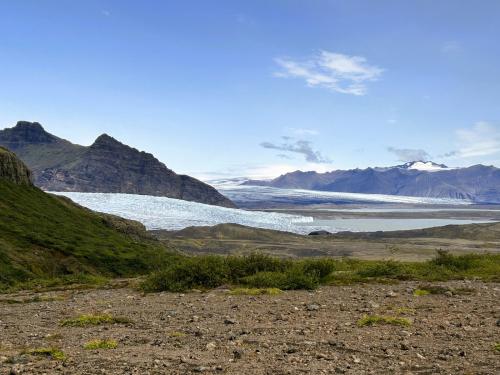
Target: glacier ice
[
  {"x": 244, "y": 194},
  {"x": 174, "y": 214}
]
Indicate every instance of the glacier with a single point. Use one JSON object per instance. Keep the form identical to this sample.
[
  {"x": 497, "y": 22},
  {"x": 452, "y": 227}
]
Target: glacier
[
  {"x": 174, "y": 214},
  {"x": 245, "y": 195}
]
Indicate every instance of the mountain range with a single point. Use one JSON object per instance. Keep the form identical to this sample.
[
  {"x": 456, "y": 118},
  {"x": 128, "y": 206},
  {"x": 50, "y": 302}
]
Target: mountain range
[
  {"x": 106, "y": 166},
  {"x": 478, "y": 183}
]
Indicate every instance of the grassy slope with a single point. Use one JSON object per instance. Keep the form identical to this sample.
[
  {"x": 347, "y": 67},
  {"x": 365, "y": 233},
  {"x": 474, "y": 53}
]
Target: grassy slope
[{"x": 44, "y": 236}]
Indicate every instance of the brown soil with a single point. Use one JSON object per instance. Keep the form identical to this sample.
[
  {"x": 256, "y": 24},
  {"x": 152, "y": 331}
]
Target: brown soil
[{"x": 296, "y": 332}]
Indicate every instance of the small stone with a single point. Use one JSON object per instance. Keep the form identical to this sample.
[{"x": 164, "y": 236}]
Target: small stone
[
  {"x": 321, "y": 356},
  {"x": 339, "y": 370},
  {"x": 312, "y": 307},
  {"x": 448, "y": 293},
  {"x": 391, "y": 294},
  {"x": 356, "y": 359},
  {"x": 230, "y": 321},
  {"x": 201, "y": 369},
  {"x": 498, "y": 323},
  {"x": 211, "y": 345},
  {"x": 238, "y": 353},
  {"x": 404, "y": 346}
]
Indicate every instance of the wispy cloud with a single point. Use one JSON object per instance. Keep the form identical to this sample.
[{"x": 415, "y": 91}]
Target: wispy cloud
[
  {"x": 303, "y": 131},
  {"x": 482, "y": 139},
  {"x": 299, "y": 147},
  {"x": 335, "y": 71},
  {"x": 105, "y": 13},
  {"x": 258, "y": 171},
  {"x": 409, "y": 154}
]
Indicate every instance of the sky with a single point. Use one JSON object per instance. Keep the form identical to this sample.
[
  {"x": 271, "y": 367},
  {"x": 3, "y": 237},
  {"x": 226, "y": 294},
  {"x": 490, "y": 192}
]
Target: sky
[{"x": 258, "y": 88}]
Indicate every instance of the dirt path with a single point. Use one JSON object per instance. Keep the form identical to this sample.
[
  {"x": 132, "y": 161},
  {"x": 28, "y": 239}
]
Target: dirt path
[{"x": 296, "y": 332}]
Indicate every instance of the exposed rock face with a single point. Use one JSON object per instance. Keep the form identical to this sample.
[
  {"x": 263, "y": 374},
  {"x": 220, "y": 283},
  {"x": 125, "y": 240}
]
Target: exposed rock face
[
  {"x": 13, "y": 169},
  {"x": 107, "y": 166}
]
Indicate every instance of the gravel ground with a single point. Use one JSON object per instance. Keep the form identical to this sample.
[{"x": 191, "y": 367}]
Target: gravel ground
[{"x": 296, "y": 332}]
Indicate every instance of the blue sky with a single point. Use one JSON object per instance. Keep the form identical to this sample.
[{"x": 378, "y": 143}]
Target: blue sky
[{"x": 258, "y": 88}]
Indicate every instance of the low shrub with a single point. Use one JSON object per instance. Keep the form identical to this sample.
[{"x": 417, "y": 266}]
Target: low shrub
[
  {"x": 52, "y": 353},
  {"x": 370, "y": 320},
  {"x": 93, "y": 320},
  {"x": 263, "y": 271},
  {"x": 100, "y": 344}
]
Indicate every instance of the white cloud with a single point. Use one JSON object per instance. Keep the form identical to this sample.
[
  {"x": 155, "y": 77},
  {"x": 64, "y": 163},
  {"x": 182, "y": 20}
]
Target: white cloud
[
  {"x": 481, "y": 140},
  {"x": 334, "y": 71},
  {"x": 303, "y": 131},
  {"x": 260, "y": 171},
  {"x": 409, "y": 154},
  {"x": 299, "y": 146}
]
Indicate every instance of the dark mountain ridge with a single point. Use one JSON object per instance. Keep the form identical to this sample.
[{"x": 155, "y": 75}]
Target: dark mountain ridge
[
  {"x": 107, "y": 166},
  {"x": 478, "y": 183}
]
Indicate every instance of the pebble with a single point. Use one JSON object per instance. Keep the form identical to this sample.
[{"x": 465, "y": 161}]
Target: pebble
[{"x": 312, "y": 307}]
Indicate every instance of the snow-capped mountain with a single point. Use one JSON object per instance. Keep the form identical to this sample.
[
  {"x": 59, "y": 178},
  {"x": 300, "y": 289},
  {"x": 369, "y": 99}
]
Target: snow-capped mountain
[
  {"x": 478, "y": 183},
  {"x": 428, "y": 166}
]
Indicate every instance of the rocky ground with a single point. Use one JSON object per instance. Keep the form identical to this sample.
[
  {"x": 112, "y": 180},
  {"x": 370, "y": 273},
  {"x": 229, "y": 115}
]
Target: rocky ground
[{"x": 295, "y": 332}]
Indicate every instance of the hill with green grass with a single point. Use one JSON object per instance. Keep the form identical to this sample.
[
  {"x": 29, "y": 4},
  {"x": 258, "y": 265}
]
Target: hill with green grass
[{"x": 43, "y": 236}]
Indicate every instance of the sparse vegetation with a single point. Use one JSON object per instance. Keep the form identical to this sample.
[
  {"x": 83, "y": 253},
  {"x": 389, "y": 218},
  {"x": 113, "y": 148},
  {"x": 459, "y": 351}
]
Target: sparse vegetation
[
  {"x": 405, "y": 311},
  {"x": 93, "y": 319},
  {"x": 52, "y": 353},
  {"x": 100, "y": 344},
  {"x": 262, "y": 271},
  {"x": 421, "y": 292},
  {"x": 370, "y": 320},
  {"x": 36, "y": 298},
  {"x": 497, "y": 346},
  {"x": 255, "y": 291}
]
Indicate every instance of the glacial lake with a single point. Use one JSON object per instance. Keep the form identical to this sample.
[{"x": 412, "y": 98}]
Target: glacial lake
[{"x": 382, "y": 224}]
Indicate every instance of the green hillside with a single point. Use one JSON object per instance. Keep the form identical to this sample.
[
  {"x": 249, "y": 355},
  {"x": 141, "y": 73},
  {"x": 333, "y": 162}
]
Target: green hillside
[{"x": 45, "y": 236}]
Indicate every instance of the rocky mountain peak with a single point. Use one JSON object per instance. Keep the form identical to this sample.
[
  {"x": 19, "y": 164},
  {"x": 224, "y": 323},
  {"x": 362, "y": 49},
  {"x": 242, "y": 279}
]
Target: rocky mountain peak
[
  {"x": 26, "y": 132},
  {"x": 105, "y": 139},
  {"x": 13, "y": 169}
]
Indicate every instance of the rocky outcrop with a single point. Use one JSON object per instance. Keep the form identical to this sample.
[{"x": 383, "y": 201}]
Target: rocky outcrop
[
  {"x": 13, "y": 169},
  {"x": 107, "y": 166}
]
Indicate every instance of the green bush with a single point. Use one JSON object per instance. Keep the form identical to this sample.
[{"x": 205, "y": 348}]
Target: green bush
[
  {"x": 387, "y": 269},
  {"x": 457, "y": 263},
  {"x": 320, "y": 268},
  {"x": 263, "y": 271}
]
